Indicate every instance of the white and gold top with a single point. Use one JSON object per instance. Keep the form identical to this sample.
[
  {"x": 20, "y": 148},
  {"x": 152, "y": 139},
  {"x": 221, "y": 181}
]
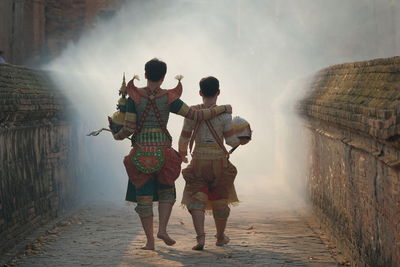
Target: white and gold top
[{"x": 206, "y": 146}]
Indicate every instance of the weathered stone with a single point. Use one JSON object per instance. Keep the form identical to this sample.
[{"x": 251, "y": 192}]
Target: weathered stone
[
  {"x": 352, "y": 112},
  {"x": 38, "y": 153},
  {"x": 32, "y": 31}
]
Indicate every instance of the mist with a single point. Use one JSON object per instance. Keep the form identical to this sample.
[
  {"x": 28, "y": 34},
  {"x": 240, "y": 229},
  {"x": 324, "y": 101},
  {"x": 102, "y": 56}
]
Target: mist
[{"x": 262, "y": 52}]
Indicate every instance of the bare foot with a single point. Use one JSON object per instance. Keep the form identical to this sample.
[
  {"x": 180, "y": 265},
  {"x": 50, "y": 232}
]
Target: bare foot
[
  {"x": 198, "y": 247},
  {"x": 167, "y": 240},
  {"x": 222, "y": 241},
  {"x": 201, "y": 239},
  {"x": 149, "y": 245}
]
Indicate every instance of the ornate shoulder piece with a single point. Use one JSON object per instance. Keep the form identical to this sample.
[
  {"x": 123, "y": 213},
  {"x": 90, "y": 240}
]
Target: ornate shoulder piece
[
  {"x": 132, "y": 90},
  {"x": 174, "y": 94}
]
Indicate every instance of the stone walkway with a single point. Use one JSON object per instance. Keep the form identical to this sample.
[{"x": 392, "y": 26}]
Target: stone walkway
[{"x": 109, "y": 234}]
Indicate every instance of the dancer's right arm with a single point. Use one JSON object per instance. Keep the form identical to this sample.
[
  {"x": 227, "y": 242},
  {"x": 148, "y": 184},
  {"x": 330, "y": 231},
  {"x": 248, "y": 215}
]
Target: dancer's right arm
[
  {"x": 184, "y": 139},
  {"x": 129, "y": 123}
]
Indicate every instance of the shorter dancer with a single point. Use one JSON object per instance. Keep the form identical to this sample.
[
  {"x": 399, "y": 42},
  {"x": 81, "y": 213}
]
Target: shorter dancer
[{"x": 209, "y": 176}]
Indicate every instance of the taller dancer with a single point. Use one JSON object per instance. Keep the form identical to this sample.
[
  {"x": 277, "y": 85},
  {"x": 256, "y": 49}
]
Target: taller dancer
[{"x": 152, "y": 164}]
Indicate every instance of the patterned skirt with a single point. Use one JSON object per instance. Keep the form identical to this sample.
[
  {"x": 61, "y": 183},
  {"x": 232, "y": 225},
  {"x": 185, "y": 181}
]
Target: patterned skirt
[{"x": 212, "y": 177}]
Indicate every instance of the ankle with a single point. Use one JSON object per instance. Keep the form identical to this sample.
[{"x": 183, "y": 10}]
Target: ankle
[
  {"x": 201, "y": 236},
  {"x": 220, "y": 236},
  {"x": 162, "y": 233}
]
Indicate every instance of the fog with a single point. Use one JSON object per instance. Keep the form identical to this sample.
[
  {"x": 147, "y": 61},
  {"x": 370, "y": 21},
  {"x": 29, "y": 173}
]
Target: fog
[{"x": 261, "y": 52}]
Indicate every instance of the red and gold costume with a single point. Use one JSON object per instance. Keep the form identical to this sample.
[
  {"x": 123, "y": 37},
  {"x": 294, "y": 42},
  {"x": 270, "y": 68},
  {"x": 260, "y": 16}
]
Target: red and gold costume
[{"x": 152, "y": 164}]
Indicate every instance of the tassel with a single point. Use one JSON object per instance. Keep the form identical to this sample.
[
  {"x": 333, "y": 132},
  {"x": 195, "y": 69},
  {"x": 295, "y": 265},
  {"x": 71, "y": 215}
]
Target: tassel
[{"x": 179, "y": 77}]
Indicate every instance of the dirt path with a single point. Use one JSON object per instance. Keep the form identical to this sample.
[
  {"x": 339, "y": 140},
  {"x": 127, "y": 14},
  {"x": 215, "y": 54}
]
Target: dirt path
[{"x": 109, "y": 234}]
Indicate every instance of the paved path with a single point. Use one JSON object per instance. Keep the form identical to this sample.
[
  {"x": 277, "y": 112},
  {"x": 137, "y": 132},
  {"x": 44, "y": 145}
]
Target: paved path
[{"x": 109, "y": 234}]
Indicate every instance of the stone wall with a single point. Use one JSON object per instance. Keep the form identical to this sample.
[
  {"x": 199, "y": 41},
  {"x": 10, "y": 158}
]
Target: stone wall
[
  {"x": 33, "y": 31},
  {"x": 353, "y": 113},
  {"x": 39, "y": 157},
  {"x": 22, "y": 29}
]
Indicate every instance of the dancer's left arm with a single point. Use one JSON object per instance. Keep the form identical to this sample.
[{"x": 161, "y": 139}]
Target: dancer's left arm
[
  {"x": 228, "y": 131},
  {"x": 179, "y": 107}
]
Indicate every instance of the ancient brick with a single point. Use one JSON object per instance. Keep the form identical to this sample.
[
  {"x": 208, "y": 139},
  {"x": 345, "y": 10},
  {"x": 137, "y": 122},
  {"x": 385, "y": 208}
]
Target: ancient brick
[
  {"x": 355, "y": 158},
  {"x": 36, "y": 30},
  {"x": 33, "y": 131}
]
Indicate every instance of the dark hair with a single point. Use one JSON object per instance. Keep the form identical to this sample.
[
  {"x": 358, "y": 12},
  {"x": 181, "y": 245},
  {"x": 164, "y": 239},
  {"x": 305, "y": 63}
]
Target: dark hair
[
  {"x": 1, "y": 52},
  {"x": 209, "y": 86},
  {"x": 155, "y": 69}
]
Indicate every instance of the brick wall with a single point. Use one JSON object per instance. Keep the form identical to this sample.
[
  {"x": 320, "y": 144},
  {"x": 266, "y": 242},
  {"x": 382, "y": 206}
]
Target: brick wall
[
  {"x": 67, "y": 20},
  {"x": 22, "y": 29},
  {"x": 352, "y": 111},
  {"x": 39, "y": 157},
  {"x": 34, "y": 31}
]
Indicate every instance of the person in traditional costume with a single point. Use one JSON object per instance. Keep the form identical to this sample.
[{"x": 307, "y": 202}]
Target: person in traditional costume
[
  {"x": 152, "y": 164},
  {"x": 210, "y": 175}
]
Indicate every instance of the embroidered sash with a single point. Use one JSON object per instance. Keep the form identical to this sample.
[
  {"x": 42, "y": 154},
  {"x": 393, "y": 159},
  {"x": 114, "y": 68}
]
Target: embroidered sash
[{"x": 148, "y": 159}]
